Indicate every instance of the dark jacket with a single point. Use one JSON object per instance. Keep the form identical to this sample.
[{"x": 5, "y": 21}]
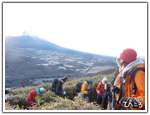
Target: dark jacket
[
  {"x": 114, "y": 77},
  {"x": 59, "y": 88},
  {"x": 6, "y": 92}
]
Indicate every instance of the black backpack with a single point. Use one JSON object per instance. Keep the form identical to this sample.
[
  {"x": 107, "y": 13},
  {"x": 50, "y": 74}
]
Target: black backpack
[
  {"x": 78, "y": 86},
  {"x": 133, "y": 76},
  {"x": 54, "y": 83}
]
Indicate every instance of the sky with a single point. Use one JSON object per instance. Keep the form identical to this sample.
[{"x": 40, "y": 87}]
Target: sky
[{"x": 99, "y": 28}]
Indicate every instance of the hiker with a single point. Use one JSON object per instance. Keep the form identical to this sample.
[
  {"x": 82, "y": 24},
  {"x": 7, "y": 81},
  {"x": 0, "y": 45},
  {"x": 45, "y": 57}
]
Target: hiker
[
  {"x": 101, "y": 92},
  {"x": 84, "y": 92},
  {"x": 59, "y": 90},
  {"x": 36, "y": 97},
  {"x": 114, "y": 81},
  {"x": 6, "y": 95},
  {"x": 131, "y": 90}
]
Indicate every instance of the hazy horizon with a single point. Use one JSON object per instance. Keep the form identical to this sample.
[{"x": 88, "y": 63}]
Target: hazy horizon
[
  {"x": 26, "y": 33},
  {"x": 98, "y": 28}
]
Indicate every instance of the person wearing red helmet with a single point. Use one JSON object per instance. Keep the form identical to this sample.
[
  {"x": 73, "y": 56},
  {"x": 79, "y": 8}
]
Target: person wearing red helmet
[{"x": 131, "y": 90}]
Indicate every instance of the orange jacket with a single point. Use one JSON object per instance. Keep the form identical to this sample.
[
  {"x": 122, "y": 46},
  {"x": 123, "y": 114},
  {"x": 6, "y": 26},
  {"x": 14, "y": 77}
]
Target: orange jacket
[
  {"x": 140, "y": 84},
  {"x": 100, "y": 87}
]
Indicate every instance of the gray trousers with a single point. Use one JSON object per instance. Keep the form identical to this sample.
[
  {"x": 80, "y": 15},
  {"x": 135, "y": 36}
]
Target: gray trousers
[
  {"x": 109, "y": 106},
  {"x": 84, "y": 96}
]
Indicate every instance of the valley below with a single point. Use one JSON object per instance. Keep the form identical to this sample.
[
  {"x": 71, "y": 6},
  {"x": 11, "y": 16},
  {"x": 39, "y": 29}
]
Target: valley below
[{"x": 31, "y": 67}]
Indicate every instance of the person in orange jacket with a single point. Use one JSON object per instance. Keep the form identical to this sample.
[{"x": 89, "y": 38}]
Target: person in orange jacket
[
  {"x": 100, "y": 89},
  {"x": 131, "y": 91}
]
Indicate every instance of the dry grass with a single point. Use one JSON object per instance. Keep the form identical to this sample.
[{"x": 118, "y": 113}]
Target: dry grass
[{"x": 18, "y": 97}]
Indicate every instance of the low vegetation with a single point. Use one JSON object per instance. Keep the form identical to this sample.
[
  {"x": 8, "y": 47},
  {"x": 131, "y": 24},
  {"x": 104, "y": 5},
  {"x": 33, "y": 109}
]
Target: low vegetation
[{"x": 18, "y": 97}]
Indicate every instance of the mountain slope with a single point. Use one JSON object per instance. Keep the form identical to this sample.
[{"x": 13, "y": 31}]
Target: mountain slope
[
  {"x": 26, "y": 41},
  {"x": 32, "y": 41},
  {"x": 31, "y": 60},
  {"x": 71, "y": 102}
]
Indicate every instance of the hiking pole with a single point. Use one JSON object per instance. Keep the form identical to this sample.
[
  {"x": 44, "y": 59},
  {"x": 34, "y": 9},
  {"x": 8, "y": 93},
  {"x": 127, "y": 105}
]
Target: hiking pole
[{"x": 89, "y": 94}]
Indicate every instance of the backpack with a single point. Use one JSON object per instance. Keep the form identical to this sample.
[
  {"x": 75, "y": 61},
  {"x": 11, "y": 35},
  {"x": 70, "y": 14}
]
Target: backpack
[
  {"x": 31, "y": 97},
  {"x": 78, "y": 86},
  {"x": 54, "y": 83},
  {"x": 133, "y": 73}
]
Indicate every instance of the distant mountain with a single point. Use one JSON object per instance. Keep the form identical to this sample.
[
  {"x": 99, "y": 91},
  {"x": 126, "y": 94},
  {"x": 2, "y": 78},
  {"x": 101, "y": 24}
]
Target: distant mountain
[
  {"x": 26, "y": 41},
  {"x": 29, "y": 40},
  {"x": 26, "y": 64}
]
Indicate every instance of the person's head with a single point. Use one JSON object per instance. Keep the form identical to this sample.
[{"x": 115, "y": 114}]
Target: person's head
[
  {"x": 64, "y": 79},
  {"x": 127, "y": 56},
  {"x": 121, "y": 63},
  {"x": 105, "y": 80},
  {"x": 42, "y": 90},
  {"x": 6, "y": 92},
  {"x": 90, "y": 82}
]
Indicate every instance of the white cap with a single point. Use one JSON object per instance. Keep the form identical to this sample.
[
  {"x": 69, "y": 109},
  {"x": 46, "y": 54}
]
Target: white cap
[
  {"x": 42, "y": 90},
  {"x": 105, "y": 80}
]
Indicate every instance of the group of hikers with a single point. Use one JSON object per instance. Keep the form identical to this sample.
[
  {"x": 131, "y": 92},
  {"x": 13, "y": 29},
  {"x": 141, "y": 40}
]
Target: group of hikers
[{"x": 125, "y": 91}]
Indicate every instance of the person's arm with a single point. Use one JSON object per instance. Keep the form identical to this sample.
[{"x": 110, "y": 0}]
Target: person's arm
[
  {"x": 38, "y": 99},
  {"x": 114, "y": 77},
  {"x": 98, "y": 87},
  {"x": 140, "y": 84}
]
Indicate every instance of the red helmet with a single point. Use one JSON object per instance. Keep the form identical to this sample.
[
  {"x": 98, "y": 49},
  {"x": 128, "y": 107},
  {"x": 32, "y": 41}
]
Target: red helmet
[{"x": 128, "y": 55}]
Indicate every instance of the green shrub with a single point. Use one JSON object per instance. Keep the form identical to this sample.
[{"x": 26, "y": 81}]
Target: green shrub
[{"x": 19, "y": 96}]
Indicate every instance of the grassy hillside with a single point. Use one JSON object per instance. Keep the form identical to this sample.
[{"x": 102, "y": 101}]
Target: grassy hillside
[{"x": 18, "y": 97}]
